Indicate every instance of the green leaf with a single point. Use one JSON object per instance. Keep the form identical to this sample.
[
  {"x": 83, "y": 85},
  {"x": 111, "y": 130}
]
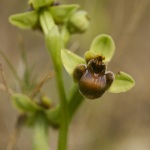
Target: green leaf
[
  {"x": 46, "y": 20},
  {"x": 103, "y": 45},
  {"x": 62, "y": 13},
  {"x": 54, "y": 44},
  {"x": 40, "y": 3},
  {"x": 24, "y": 20},
  {"x": 70, "y": 60},
  {"x": 24, "y": 103},
  {"x": 122, "y": 83}
]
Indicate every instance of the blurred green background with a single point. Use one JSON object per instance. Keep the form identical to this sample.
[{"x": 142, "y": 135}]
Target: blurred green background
[{"x": 113, "y": 122}]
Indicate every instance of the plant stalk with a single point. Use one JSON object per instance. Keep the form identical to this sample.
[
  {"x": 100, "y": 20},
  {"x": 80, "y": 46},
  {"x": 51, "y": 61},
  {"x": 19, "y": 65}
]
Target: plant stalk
[
  {"x": 54, "y": 45},
  {"x": 40, "y": 136}
]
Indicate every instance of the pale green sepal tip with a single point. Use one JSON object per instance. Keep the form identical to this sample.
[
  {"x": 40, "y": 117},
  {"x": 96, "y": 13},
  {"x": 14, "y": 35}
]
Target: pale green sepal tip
[
  {"x": 122, "y": 83},
  {"x": 103, "y": 45},
  {"x": 24, "y": 20},
  {"x": 70, "y": 60}
]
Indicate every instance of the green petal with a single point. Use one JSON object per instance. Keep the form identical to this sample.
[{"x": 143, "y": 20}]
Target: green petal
[
  {"x": 122, "y": 83},
  {"x": 40, "y": 3},
  {"x": 24, "y": 20},
  {"x": 103, "y": 45},
  {"x": 70, "y": 60},
  {"x": 24, "y": 103},
  {"x": 62, "y": 13}
]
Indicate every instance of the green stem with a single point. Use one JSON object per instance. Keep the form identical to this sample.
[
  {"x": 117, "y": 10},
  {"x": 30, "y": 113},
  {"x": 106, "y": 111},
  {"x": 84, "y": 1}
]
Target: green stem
[
  {"x": 40, "y": 136},
  {"x": 55, "y": 44},
  {"x": 75, "y": 99},
  {"x": 62, "y": 145}
]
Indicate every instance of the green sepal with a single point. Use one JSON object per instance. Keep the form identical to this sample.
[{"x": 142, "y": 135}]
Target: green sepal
[
  {"x": 122, "y": 83},
  {"x": 24, "y": 103},
  {"x": 25, "y": 20},
  {"x": 62, "y": 13},
  {"x": 103, "y": 45},
  {"x": 70, "y": 60},
  {"x": 40, "y": 3}
]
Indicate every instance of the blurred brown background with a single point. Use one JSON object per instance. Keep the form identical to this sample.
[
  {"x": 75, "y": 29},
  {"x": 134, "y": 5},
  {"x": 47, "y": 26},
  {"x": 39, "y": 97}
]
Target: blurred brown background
[{"x": 115, "y": 121}]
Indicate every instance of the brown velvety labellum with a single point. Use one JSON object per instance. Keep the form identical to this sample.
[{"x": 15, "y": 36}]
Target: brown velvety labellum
[
  {"x": 93, "y": 80},
  {"x": 92, "y": 86}
]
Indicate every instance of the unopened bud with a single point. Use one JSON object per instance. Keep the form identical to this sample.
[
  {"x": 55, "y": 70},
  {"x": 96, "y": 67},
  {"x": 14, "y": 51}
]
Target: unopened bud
[{"x": 79, "y": 22}]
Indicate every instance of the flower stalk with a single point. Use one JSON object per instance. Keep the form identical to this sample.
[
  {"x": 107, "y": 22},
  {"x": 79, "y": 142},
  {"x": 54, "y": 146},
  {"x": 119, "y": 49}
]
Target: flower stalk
[
  {"x": 54, "y": 45},
  {"x": 40, "y": 136}
]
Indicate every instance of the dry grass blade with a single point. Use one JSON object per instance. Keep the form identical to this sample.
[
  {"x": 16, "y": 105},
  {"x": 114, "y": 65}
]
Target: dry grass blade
[
  {"x": 10, "y": 66},
  {"x": 4, "y": 86},
  {"x": 6, "y": 89},
  {"x": 39, "y": 86},
  {"x": 14, "y": 135}
]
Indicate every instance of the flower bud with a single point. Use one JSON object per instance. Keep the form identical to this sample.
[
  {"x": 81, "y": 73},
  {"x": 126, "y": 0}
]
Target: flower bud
[
  {"x": 45, "y": 102},
  {"x": 79, "y": 22}
]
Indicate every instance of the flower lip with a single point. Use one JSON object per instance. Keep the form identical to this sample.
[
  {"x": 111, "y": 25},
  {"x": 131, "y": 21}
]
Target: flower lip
[
  {"x": 97, "y": 66},
  {"x": 93, "y": 79}
]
